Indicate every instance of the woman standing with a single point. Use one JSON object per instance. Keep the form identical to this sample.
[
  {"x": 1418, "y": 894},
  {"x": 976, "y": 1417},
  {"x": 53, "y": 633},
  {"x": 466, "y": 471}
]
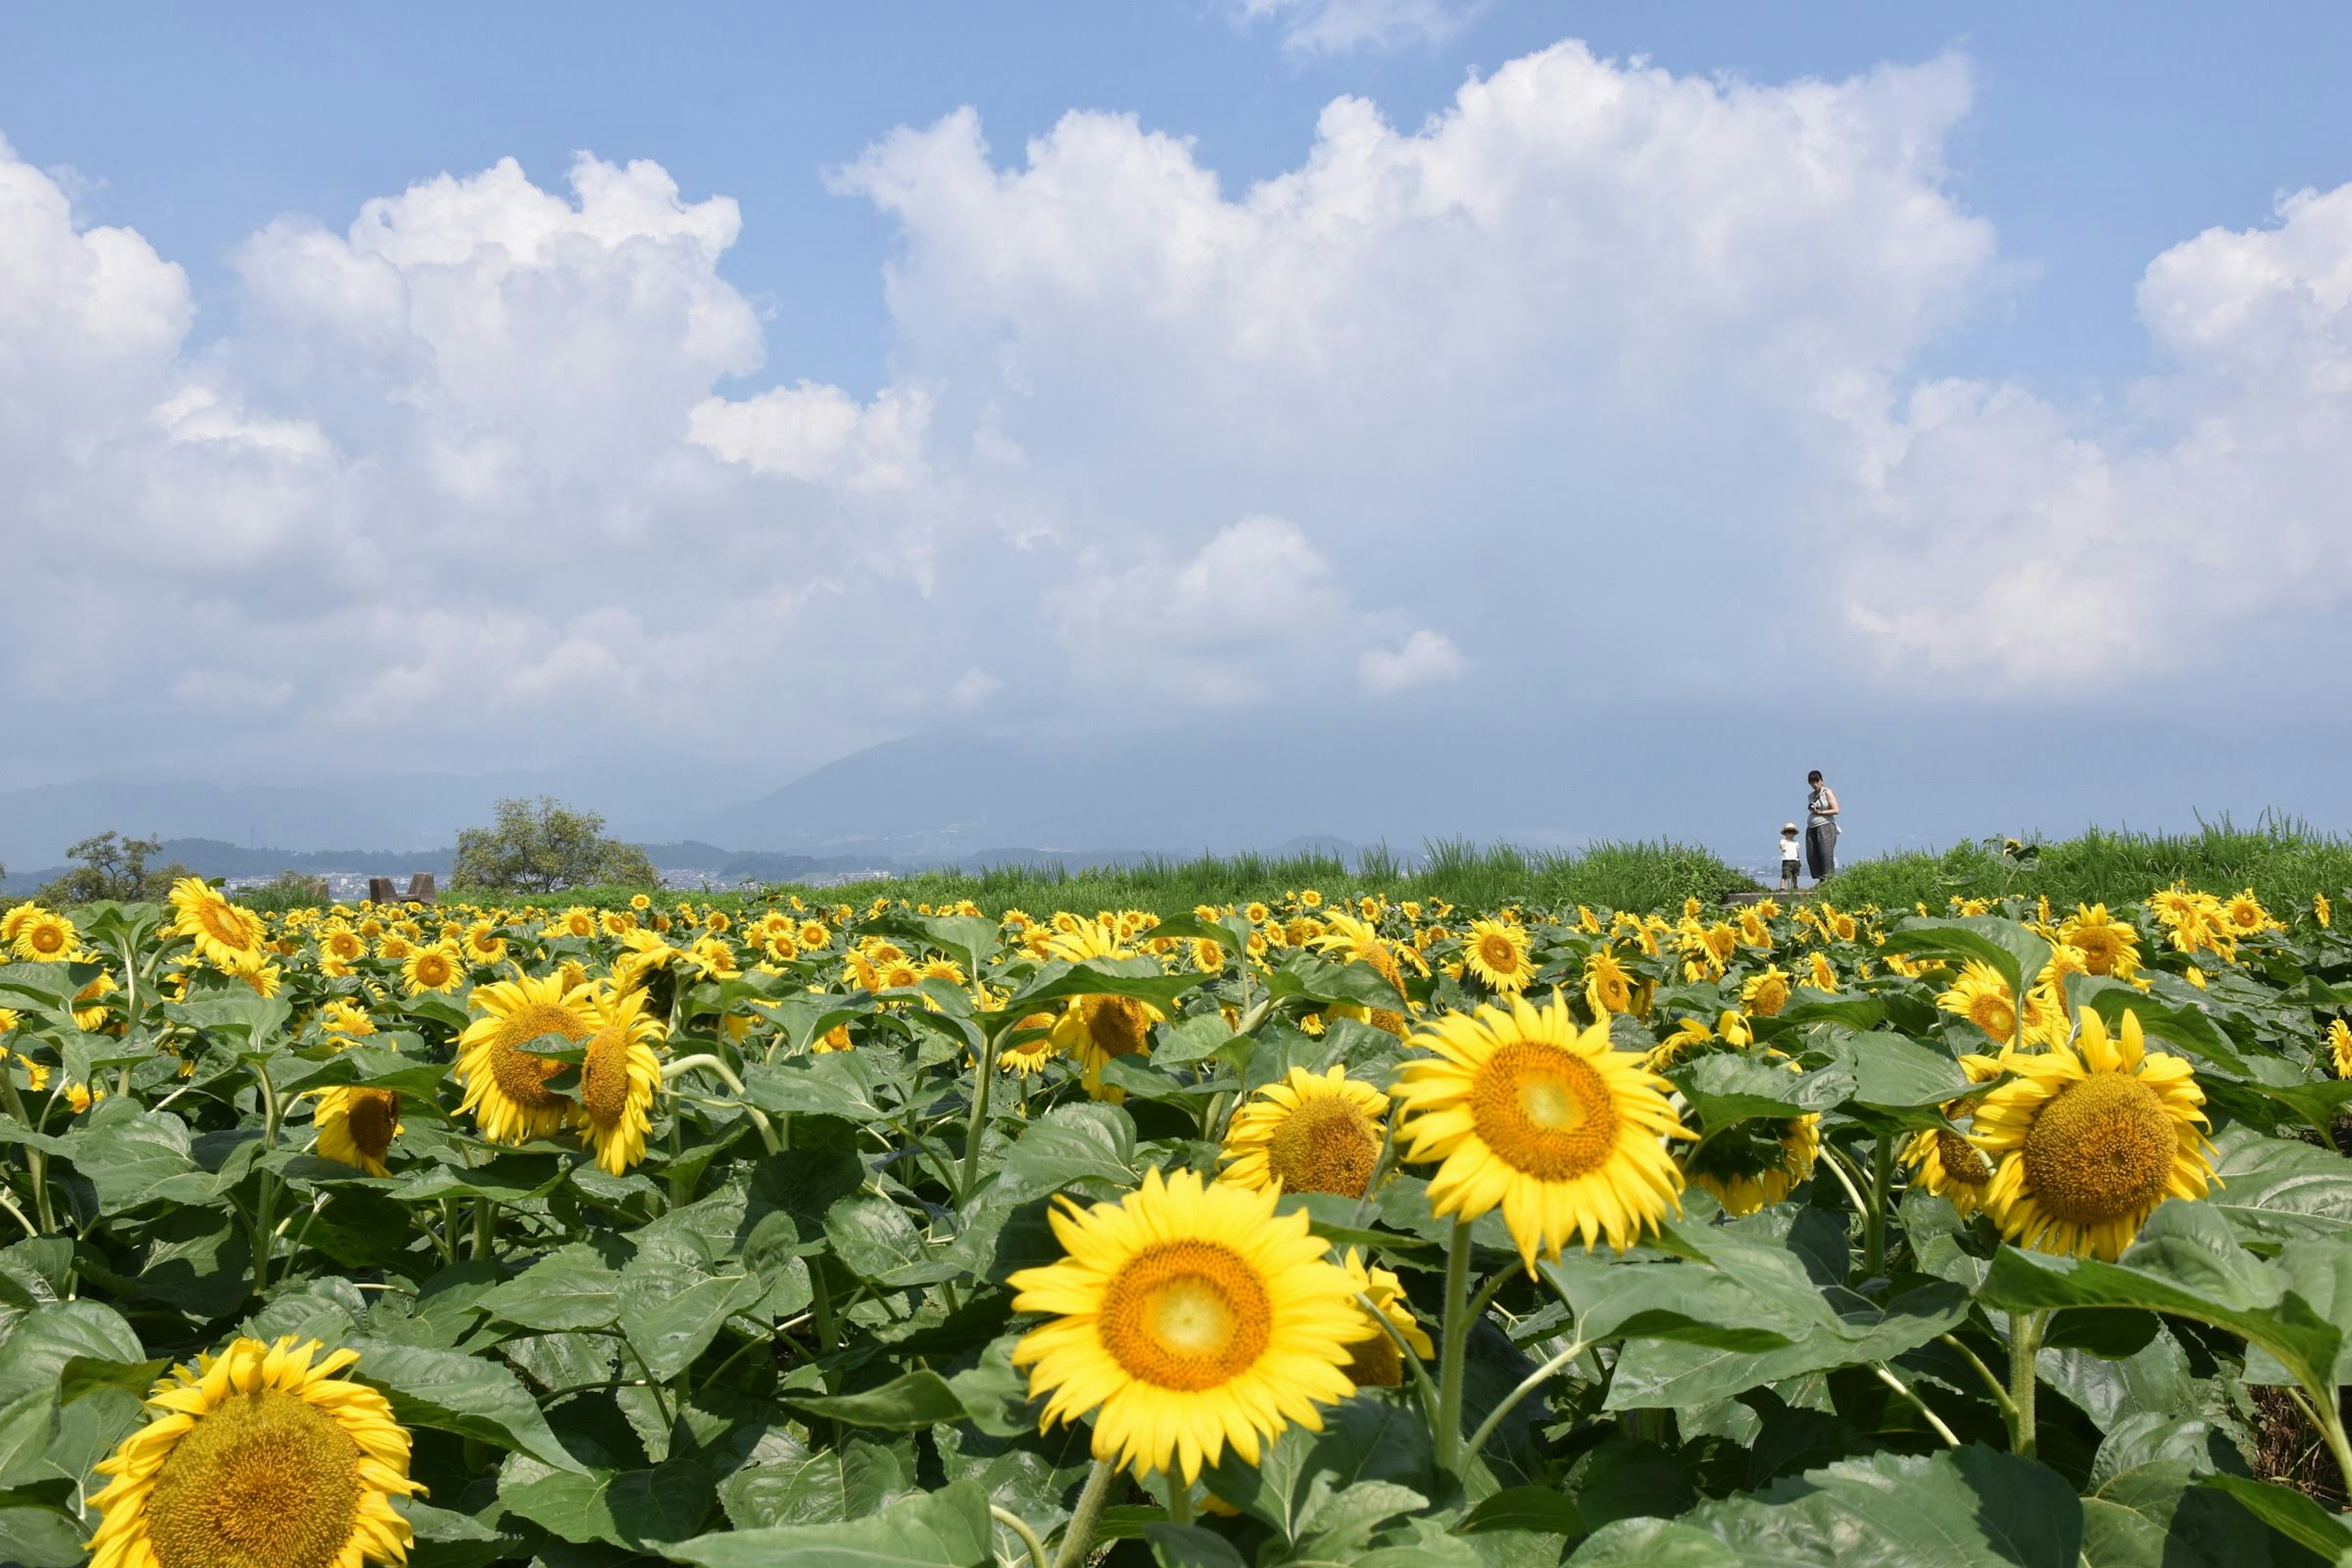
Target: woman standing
[{"x": 1821, "y": 827}]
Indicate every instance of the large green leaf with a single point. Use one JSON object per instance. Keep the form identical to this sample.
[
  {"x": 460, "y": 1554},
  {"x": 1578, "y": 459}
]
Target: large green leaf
[
  {"x": 2274, "y": 1189},
  {"x": 2186, "y": 1261},
  {"x": 625, "y": 1508},
  {"x": 452, "y": 1392},
  {"x": 906, "y": 1403},
  {"x": 670, "y": 1309},
  {"x": 1729, "y": 1088},
  {"x": 1380, "y": 1434},
  {"x": 1138, "y": 979},
  {"x": 947, "y": 1528},
  {"x": 1069, "y": 1145},
  {"x": 860, "y": 1478},
  {"x": 1970, "y": 1508},
  {"x": 848, "y": 1084},
  {"x": 571, "y": 1288},
  {"x": 875, "y": 1240}
]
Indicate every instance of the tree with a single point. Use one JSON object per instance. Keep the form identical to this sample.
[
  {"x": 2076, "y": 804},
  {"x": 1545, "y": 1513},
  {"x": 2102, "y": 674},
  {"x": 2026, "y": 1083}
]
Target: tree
[
  {"x": 113, "y": 867},
  {"x": 543, "y": 845}
]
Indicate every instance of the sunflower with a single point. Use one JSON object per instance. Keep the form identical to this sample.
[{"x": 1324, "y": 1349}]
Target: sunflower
[
  {"x": 258, "y": 1457},
  {"x": 1358, "y": 943},
  {"x": 1188, "y": 1318},
  {"x": 46, "y": 937},
  {"x": 2108, "y": 946},
  {"x": 1029, "y": 1046},
  {"x": 484, "y": 942},
  {"x": 1608, "y": 983},
  {"x": 1765, "y": 995},
  {"x": 341, "y": 1015},
  {"x": 2339, "y": 1042},
  {"x": 619, "y": 1077},
  {"x": 1312, "y": 1133},
  {"x": 1564, "y": 1132},
  {"x": 342, "y": 944},
  {"x": 1946, "y": 1163},
  {"x": 1497, "y": 954},
  {"x": 2321, "y": 911},
  {"x": 1376, "y": 1363},
  {"x": 225, "y": 936},
  {"x": 506, "y": 1086},
  {"x": 1982, "y": 997},
  {"x": 2088, "y": 1138},
  {"x": 435, "y": 969},
  {"x": 357, "y": 1125},
  {"x": 1753, "y": 1163},
  {"x": 1094, "y": 1029}
]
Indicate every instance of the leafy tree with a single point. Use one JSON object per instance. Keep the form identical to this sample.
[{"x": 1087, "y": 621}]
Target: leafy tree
[
  {"x": 113, "y": 867},
  {"x": 543, "y": 845}
]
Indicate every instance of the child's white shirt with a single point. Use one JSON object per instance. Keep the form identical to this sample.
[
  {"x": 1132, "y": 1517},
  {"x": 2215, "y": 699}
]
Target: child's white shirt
[{"x": 1790, "y": 849}]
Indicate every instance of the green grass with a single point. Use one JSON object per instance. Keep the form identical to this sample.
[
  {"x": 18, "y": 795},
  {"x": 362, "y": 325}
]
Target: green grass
[
  {"x": 1620, "y": 876},
  {"x": 2283, "y": 860}
]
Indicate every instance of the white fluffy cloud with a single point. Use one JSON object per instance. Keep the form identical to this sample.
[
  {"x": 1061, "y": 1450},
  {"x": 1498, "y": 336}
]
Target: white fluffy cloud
[
  {"x": 1335, "y": 27},
  {"x": 1541, "y": 385}
]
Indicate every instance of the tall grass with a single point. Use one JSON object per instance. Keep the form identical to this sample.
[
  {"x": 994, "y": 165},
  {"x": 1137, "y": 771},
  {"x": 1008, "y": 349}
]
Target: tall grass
[
  {"x": 2283, "y": 859},
  {"x": 1631, "y": 876}
]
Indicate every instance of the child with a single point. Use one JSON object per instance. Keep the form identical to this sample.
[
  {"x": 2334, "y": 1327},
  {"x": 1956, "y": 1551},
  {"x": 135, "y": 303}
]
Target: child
[{"x": 1790, "y": 856}]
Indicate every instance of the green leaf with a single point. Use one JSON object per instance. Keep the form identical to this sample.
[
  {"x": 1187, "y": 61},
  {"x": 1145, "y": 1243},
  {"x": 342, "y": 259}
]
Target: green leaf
[
  {"x": 875, "y": 1240},
  {"x": 1193, "y": 1039},
  {"x": 29, "y": 1424},
  {"x": 906, "y": 1403},
  {"x": 1729, "y": 1088},
  {"x": 947, "y": 1528},
  {"x": 1540, "y": 1511},
  {"x": 451, "y": 1391},
  {"x": 1190, "y": 1546},
  {"x": 1970, "y": 1508},
  {"x": 860, "y": 1478},
  {"x": 970, "y": 940},
  {"x": 846, "y": 1084},
  {"x": 1654, "y": 1543},
  {"x": 1068, "y": 1145},
  {"x": 1891, "y": 1073},
  {"x": 42, "y": 1343},
  {"x": 84, "y": 1374},
  {"x": 2188, "y": 1262},
  {"x": 627, "y": 1508},
  {"x": 2156, "y": 1515},
  {"x": 1136, "y": 978},
  {"x": 34, "y": 1534},
  {"x": 571, "y": 1288},
  {"x": 131, "y": 1156},
  {"x": 670, "y": 1311},
  {"x": 2275, "y": 1189},
  {"x": 1380, "y": 1434},
  {"x": 2290, "y": 1514},
  {"x": 1313, "y": 978}
]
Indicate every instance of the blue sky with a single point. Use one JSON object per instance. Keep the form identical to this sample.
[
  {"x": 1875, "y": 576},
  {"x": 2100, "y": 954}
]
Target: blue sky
[{"x": 1051, "y": 369}]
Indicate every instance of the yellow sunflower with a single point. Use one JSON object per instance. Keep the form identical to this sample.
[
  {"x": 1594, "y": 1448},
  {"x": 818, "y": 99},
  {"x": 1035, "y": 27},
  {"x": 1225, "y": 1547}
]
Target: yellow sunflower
[
  {"x": 1188, "y": 1318},
  {"x": 2108, "y": 946},
  {"x": 258, "y": 1457},
  {"x": 2339, "y": 1043},
  {"x": 1608, "y": 983},
  {"x": 1030, "y": 1045},
  {"x": 1566, "y": 1133},
  {"x": 225, "y": 936},
  {"x": 437, "y": 969},
  {"x": 356, "y": 1126},
  {"x": 1497, "y": 954},
  {"x": 1751, "y": 1164},
  {"x": 46, "y": 937},
  {"x": 1982, "y": 997},
  {"x": 341, "y": 1015},
  {"x": 1765, "y": 995},
  {"x": 1357, "y": 943},
  {"x": 506, "y": 1086},
  {"x": 1944, "y": 1163},
  {"x": 1377, "y": 1363},
  {"x": 1312, "y": 1133},
  {"x": 620, "y": 1076},
  {"x": 2089, "y": 1138}
]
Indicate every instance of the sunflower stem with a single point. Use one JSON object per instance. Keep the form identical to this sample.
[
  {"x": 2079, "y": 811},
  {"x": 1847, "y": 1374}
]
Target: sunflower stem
[
  {"x": 484, "y": 1224},
  {"x": 1406, "y": 1354},
  {"x": 1512, "y": 1400},
  {"x": 977, "y": 1128},
  {"x": 1456, "y": 1332},
  {"x": 1999, "y": 1389},
  {"x": 2325, "y": 1410},
  {"x": 1179, "y": 1499},
  {"x": 1886, "y": 1375},
  {"x": 37, "y": 1162},
  {"x": 1379, "y": 1164},
  {"x": 1020, "y": 1527},
  {"x": 1079, "y": 1539},
  {"x": 1873, "y": 1218},
  {"x": 2024, "y": 1345}
]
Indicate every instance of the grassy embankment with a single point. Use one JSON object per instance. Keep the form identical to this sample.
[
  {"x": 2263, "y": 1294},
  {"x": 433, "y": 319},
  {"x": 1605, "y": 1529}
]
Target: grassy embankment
[{"x": 2284, "y": 861}]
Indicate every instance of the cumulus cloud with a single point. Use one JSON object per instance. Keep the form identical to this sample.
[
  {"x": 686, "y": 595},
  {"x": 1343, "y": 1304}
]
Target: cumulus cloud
[
  {"x": 506, "y": 462},
  {"x": 1337, "y": 27},
  {"x": 2048, "y": 550},
  {"x": 1426, "y": 659}
]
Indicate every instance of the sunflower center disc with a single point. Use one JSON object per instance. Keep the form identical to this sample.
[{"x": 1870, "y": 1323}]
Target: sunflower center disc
[
  {"x": 2101, "y": 1151},
  {"x": 372, "y": 1116},
  {"x": 1960, "y": 1160},
  {"x": 1186, "y": 1315},
  {"x": 522, "y": 1076},
  {"x": 1324, "y": 1146},
  {"x": 604, "y": 1077},
  {"x": 1544, "y": 1111},
  {"x": 1116, "y": 1025},
  {"x": 1499, "y": 954},
  {"x": 266, "y": 1481}
]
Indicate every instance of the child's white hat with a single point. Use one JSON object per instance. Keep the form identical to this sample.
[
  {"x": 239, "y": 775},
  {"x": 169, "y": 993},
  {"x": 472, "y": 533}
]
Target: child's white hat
[{"x": 1788, "y": 827}]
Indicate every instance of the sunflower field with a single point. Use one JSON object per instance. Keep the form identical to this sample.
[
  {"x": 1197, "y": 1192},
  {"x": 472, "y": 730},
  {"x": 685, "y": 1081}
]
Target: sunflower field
[{"x": 1302, "y": 1232}]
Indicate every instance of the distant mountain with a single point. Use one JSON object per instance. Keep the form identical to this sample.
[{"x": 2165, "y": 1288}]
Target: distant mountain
[{"x": 37, "y": 825}]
